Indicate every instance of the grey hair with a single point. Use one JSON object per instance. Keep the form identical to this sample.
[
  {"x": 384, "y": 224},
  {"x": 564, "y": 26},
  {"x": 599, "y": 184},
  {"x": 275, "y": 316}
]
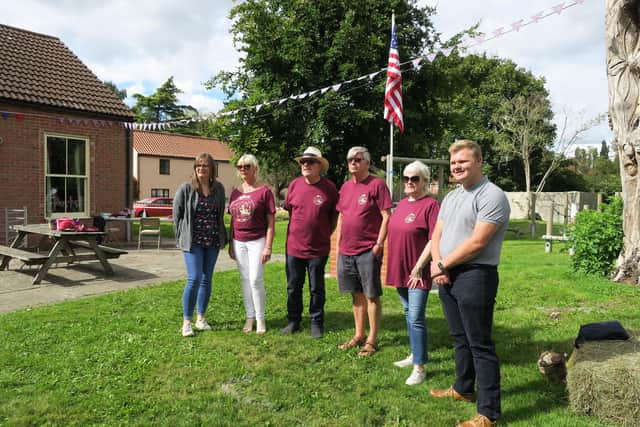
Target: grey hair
[
  {"x": 420, "y": 168},
  {"x": 355, "y": 150}
]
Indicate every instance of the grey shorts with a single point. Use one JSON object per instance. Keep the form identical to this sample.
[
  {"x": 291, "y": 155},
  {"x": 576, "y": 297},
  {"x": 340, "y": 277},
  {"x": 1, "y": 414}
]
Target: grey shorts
[{"x": 360, "y": 273}]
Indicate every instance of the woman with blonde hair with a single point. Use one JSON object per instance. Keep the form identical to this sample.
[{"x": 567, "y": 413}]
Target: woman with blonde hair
[
  {"x": 252, "y": 209},
  {"x": 198, "y": 221}
]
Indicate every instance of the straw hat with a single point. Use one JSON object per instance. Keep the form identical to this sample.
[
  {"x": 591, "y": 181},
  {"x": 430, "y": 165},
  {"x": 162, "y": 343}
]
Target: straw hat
[{"x": 314, "y": 153}]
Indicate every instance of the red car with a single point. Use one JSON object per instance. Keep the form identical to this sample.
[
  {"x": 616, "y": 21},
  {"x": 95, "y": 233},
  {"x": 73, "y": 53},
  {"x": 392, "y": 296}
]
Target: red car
[{"x": 153, "y": 206}]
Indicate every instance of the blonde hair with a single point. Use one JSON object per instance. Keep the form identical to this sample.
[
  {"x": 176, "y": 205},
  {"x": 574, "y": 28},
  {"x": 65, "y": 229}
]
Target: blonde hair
[
  {"x": 469, "y": 144},
  {"x": 251, "y": 160}
]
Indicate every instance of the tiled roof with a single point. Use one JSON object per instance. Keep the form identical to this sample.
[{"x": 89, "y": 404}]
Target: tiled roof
[
  {"x": 40, "y": 69},
  {"x": 176, "y": 145}
]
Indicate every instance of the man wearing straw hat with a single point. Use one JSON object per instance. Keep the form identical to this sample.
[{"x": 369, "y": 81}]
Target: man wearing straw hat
[{"x": 311, "y": 202}]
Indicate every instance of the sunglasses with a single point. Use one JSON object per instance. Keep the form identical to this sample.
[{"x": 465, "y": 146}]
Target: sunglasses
[
  {"x": 243, "y": 167},
  {"x": 354, "y": 159},
  {"x": 308, "y": 162},
  {"x": 415, "y": 179}
]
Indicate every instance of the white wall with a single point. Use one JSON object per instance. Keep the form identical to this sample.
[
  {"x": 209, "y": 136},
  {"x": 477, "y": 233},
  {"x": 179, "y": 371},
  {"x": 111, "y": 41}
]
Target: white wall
[{"x": 572, "y": 201}]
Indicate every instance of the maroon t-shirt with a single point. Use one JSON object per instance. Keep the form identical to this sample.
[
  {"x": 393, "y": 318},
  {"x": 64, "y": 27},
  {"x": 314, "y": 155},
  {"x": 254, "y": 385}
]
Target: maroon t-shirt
[
  {"x": 360, "y": 204},
  {"x": 312, "y": 209},
  {"x": 410, "y": 228},
  {"x": 249, "y": 212}
]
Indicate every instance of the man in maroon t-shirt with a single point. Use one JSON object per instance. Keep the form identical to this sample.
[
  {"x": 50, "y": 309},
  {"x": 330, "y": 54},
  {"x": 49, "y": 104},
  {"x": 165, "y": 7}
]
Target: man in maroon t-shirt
[
  {"x": 365, "y": 208},
  {"x": 311, "y": 202}
]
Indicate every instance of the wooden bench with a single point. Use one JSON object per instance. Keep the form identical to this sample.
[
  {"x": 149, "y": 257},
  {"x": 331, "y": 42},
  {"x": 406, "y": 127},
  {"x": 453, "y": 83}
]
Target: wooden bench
[
  {"x": 109, "y": 251},
  {"x": 27, "y": 257}
]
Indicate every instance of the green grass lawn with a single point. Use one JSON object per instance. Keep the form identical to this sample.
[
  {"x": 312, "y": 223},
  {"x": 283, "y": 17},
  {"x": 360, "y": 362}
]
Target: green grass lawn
[{"x": 119, "y": 359}]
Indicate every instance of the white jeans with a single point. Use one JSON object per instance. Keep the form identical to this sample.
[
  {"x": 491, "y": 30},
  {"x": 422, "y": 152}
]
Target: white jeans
[{"x": 248, "y": 256}]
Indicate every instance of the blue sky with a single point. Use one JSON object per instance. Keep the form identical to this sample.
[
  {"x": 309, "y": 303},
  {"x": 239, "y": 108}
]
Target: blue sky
[{"x": 139, "y": 44}]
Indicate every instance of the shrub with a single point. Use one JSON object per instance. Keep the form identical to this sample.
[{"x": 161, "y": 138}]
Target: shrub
[{"x": 597, "y": 238}]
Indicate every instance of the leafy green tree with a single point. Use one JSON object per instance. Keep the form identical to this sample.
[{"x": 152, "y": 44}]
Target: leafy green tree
[
  {"x": 604, "y": 149},
  {"x": 162, "y": 105},
  {"x": 291, "y": 47},
  {"x": 120, "y": 93},
  {"x": 460, "y": 96}
]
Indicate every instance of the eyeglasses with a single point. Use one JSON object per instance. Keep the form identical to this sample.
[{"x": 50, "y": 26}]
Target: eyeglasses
[
  {"x": 243, "y": 167},
  {"x": 305, "y": 162},
  {"x": 202, "y": 166},
  {"x": 354, "y": 159},
  {"x": 415, "y": 179}
]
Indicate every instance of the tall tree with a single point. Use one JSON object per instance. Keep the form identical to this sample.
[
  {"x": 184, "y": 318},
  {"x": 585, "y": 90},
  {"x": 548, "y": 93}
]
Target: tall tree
[
  {"x": 604, "y": 149},
  {"x": 524, "y": 127},
  {"x": 291, "y": 47},
  {"x": 623, "y": 72},
  {"x": 162, "y": 105}
]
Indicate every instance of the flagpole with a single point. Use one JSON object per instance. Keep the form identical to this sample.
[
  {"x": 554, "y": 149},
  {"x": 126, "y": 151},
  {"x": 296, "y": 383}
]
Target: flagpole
[
  {"x": 390, "y": 158},
  {"x": 390, "y": 161}
]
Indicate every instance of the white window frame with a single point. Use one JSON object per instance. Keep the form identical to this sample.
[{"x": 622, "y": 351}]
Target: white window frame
[{"x": 83, "y": 212}]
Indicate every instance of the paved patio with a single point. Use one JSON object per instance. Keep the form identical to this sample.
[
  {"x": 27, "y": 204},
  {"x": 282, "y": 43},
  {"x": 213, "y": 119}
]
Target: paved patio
[{"x": 133, "y": 270}]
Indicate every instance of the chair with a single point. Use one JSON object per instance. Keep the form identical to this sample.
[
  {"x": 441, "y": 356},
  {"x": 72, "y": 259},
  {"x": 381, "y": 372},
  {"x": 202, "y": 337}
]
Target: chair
[{"x": 149, "y": 227}]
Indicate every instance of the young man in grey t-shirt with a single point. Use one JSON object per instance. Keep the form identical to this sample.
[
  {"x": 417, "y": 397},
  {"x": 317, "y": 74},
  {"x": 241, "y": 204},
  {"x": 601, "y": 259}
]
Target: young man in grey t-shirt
[{"x": 465, "y": 250}]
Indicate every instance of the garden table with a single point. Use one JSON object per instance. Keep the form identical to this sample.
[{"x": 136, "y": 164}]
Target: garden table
[{"x": 69, "y": 247}]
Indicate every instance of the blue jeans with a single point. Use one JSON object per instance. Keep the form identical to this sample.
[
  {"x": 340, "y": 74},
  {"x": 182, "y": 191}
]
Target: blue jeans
[
  {"x": 468, "y": 307},
  {"x": 200, "y": 263},
  {"x": 296, "y": 269},
  {"x": 414, "y": 303}
]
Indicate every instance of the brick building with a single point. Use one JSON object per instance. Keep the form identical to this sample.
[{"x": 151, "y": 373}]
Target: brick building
[{"x": 64, "y": 149}]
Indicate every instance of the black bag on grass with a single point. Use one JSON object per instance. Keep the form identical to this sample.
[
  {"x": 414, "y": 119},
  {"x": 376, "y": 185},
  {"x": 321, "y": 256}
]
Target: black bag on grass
[{"x": 601, "y": 331}]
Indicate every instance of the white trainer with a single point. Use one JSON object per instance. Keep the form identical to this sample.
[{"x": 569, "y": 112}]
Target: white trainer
[
  {"x": 416, "y": 377},
  {"x": 203, "y": 325},
  {"x": 187, "y": 330},
  {"x": 404, "y": 363}
]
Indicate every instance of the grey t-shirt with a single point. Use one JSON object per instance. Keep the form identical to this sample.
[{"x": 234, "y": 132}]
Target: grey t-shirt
[{"x": 462, "y": 209}]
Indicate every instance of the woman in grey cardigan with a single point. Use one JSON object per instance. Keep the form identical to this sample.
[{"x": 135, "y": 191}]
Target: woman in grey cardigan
[{"x": 198, "y": 222}]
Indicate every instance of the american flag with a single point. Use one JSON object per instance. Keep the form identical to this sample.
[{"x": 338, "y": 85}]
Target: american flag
[{"x": 393, "y": 90}]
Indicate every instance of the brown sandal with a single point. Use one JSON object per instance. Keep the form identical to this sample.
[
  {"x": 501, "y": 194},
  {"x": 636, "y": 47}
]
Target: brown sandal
[
  {"x": 369, "y": 349},
  {"x": 353, "y": 342}
]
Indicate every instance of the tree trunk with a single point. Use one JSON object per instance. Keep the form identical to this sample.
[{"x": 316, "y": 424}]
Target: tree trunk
[{"x": 623, "y": 72}]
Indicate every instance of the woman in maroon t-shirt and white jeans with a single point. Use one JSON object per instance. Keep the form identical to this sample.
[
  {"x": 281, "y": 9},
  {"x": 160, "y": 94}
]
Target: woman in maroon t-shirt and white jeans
[{"x": 252, "y": 208}]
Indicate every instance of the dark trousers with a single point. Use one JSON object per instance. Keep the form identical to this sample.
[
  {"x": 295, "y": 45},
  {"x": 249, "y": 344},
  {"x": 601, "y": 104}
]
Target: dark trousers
[
  {"x": 297, "y": 269},
  {"x": 468, "y": 307}
]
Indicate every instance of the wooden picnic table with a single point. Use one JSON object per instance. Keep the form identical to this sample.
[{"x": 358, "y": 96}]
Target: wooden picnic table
[{"x": 69, "y": 247}]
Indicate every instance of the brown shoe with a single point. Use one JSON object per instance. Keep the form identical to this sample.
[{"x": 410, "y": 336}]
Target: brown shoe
[
  {"x": 451, "y": 393},
  {"x": 477, "y": 421}
]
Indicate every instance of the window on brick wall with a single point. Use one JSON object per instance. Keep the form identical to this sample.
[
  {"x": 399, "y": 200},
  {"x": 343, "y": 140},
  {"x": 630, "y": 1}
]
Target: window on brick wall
[
  {"x": 159, "y": 192},
  {"x": 66, "y": 176},
  {"x": 165, "y": 168}
]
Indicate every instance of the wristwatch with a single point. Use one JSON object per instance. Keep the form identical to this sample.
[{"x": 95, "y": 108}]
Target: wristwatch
[{"x": 441, "y": 266}]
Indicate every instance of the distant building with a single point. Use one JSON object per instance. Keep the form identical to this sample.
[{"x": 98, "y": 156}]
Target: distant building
[{"x": 162, "y": 161}]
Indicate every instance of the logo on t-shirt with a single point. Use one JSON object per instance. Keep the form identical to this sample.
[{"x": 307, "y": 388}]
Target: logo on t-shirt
[
  {"x": 318, "y": 199},
  {"x": 242, "y": 208},
  {"x": 362, "y": 199},
  {"x": 410, "y": 218}
]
